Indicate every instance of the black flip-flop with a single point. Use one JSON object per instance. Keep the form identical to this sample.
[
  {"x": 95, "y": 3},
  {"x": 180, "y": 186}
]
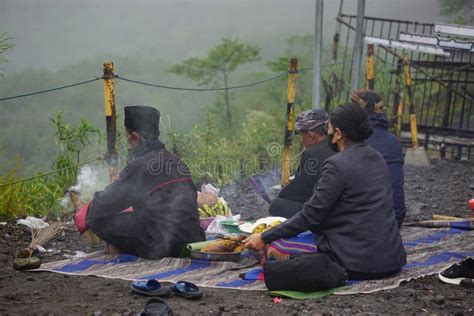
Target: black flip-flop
[
  {"x": 150, "y": 288},
  {"x": 186, "y": 290},
  {"x": 156, "y": 307}
]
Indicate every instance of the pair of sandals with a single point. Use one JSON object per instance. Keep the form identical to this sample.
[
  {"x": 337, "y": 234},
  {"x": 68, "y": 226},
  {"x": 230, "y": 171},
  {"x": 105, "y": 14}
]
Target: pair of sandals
[
  {"x": 155, "y": 288},
  {"x": 157, "y": 306}
]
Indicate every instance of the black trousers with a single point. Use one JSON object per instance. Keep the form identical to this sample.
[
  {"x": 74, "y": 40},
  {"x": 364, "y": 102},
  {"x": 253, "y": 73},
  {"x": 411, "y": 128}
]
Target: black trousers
[
  {"x": 122, "y": 230},
  {"x": 308, "y": 272},
  {"x": 304, "y": 273},
  {"x": 284, "y": 207}
]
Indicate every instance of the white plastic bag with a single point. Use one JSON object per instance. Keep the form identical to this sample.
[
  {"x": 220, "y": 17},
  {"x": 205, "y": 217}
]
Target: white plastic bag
[
  {"x": 208, "y": 195},
  {"x": 33, "y": 222},
  {"x": 210, "y": 188},
  {"x": 216, "y": 227},
  {"x": 76, "y": 254}
]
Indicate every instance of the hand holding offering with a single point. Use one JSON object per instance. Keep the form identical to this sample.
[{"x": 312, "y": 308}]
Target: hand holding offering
[{"x": 255, "y": 241}]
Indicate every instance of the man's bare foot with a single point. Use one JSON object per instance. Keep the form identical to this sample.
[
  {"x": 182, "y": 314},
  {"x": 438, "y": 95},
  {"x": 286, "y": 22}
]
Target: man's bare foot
[{"x": 112, "y": 250}]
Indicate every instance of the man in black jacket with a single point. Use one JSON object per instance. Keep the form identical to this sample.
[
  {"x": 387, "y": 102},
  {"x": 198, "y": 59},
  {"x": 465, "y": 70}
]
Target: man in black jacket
[
  {"x": 351, "y": 209},
  {"x": 151, "y": 210},
  {"x": 386, "y": 144},
  {"x": 312, "y": 127}
]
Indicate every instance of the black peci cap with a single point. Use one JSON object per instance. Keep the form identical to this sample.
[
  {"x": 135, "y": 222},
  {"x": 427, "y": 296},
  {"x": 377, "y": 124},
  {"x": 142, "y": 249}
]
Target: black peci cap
[{"x": 142, "y": 118}]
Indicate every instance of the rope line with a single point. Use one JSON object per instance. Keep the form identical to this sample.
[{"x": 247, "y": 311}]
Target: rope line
[
  {"x": 328, "y": 65},
  {"x": 50, "y": 90},
  {"x": 49, "y": 173},
  {"x": 164, "y": 86},
  {"x": 201, "y": 89},
  {"x": 223, "y": 88},
  {"x": 167, "y": 87}
]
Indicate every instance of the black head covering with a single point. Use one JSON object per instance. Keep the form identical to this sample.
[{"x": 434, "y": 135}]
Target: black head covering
[
  {"x": 142, "y": 118},
  {"x": 309, "y": 120},
  {"x": 368, "y": 99}
]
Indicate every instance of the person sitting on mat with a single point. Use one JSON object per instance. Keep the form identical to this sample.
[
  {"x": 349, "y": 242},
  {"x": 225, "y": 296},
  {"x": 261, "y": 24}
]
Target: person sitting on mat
[
  {"x": 351, "y": 209},
  {"x": 386, "y": 144},
  {"x": 312, "y": 127},
  {"x": 151, "y": 210}
]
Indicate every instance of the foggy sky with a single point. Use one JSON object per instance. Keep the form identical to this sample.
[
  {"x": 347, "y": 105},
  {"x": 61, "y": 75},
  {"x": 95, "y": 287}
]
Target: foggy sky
[{"x": 53, "y": 33}]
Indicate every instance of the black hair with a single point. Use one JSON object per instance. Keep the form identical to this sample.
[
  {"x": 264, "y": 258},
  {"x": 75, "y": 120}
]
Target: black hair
[
  {"x": 148, "y": 135},
  {"x": 321, "y": 129},
  {"x": 352, "y": 120}
]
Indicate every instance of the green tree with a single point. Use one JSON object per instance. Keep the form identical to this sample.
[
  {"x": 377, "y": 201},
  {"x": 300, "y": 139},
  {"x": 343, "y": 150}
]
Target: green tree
[
  {"x": 216, "y": 68},
  {"x": 4, "y": 46}
]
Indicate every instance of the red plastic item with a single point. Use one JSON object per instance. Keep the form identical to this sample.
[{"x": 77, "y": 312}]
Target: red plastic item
[
  {"x": 471, "y": 205},
  {"x": 80, "y": 218},
  {"x": 277, "y": 300}
]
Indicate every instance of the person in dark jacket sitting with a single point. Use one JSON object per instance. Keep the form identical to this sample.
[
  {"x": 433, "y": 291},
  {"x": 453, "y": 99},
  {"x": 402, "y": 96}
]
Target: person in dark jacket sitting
[
  {"x": 151, "y": 210},
  {"x": 312, "y": 127},
  {"x": 386, "y": 144},
  {"x": 351, "y": 209}
]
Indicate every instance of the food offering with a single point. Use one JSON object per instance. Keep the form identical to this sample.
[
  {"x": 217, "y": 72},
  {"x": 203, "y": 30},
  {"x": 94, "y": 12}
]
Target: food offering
[
  {"x": 264, "y": 227},
  {"x": 225, "y": 245},
  {"x": 261, "y": 225},
  {"x": 218, "y": 208},
  {"x": 227, "y": 248}
]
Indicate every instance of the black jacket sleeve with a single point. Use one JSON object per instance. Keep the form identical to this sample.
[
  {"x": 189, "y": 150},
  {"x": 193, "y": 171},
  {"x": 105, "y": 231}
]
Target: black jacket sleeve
[
  {"x": 116, "y": 197},
  {"x": 315, "y": 210},
  {"x": 300, "y": 187}
]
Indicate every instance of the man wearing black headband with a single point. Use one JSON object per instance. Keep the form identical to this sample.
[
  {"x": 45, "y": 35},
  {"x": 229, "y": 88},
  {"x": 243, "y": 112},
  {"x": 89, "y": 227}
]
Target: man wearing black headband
[
  {"x": 385, "y": 143},
  {"x": 312, "y": 127},
  {"x": 151, "y": 210}
]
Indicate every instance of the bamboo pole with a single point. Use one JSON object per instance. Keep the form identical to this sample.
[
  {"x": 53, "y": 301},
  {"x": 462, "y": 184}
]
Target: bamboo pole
[
  {"x": 111, "y": 130},
  {"x": 370, "y": 66},
  {"x": 398, "y": 100},
  {"x": 290, "y": 121},
  {"x": 110, "y": 120},
  {"x": 409, "y": 100}
]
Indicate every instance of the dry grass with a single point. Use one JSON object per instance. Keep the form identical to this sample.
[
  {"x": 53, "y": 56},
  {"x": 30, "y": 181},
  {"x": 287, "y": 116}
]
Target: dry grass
[{"x": 41, "y": 237}]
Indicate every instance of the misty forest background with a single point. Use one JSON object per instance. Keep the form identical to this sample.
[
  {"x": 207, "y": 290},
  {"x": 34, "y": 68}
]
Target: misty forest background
[{"x": 60, "y": 129}]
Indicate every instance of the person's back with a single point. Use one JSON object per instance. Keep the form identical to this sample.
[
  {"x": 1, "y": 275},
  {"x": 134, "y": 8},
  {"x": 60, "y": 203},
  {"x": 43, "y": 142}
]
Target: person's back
[
  {"x": 386, "y": 144},
  {"x": 166, "y": 199},
  {"x": 312, "y": 127},
  {"x": 308, "y": 173},
  {"x": 351, "y": 209},
  {"x": 151, "y": 209},
  {"x": 390, "y": 148},
  {"x": 361, "y": 229}
]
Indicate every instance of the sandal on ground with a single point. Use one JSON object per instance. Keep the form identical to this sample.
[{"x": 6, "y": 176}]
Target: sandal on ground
[
  {"x": 150, "y": 288},
  {"x": 186, "y": 290},
  {"x": 156, "y": 307}
]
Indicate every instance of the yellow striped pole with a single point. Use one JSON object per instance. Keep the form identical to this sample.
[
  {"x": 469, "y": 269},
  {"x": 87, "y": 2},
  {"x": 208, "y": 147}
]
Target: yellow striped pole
[
  {"x": 370, "y": 66},
  {"x": 409, "y": 100},
  {"x": 290, "y": 121},
  {"x": 110, "y": 120}
]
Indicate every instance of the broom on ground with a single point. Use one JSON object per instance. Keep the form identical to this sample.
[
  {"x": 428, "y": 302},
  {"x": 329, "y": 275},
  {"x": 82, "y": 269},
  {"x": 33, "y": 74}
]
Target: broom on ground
[{"x": 40, "y": 238}]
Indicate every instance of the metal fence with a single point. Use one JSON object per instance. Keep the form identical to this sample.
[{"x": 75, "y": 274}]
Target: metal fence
[{"x": 443, "y": 86}]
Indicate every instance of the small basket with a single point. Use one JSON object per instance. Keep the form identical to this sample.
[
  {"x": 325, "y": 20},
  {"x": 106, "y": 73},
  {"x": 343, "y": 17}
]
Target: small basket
[{"x": 205, "y": 222}]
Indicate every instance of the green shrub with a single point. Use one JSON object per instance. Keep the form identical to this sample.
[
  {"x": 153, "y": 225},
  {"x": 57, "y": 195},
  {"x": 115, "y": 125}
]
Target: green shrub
[{"x": 40, "y": 195}]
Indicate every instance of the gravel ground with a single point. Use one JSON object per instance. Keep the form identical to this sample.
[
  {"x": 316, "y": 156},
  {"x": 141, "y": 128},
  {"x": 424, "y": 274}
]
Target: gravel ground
[{"x": 443, "y": 189}]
